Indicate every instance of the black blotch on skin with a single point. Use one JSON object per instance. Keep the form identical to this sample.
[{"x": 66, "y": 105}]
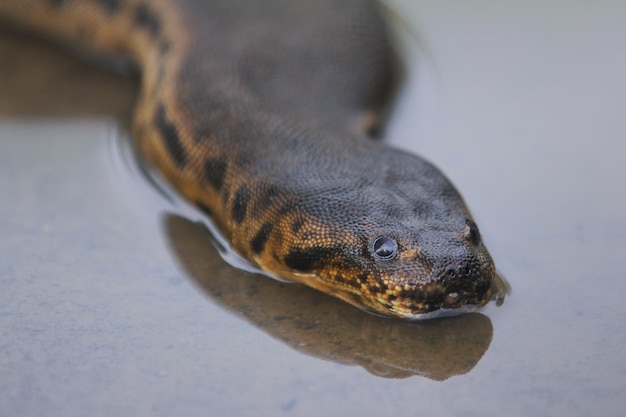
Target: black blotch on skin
[
  {"x": 266, "y": 197},
  {"x": 215, "y": 172},
  {"x": 287, "y": 209},
  {"x": 240, "y": 204},
  {"x": 146, "y": 18},
  {"x": 304, "y": 260},
  {"x": 171, "y": 138},
  {"x": 243, "y": 159},
  {"x": 260, "y": 239},
  {"x": 297, "y": 225},
  {"x": 111, "y": 6},
  {"x": 204, "y": 208},
  {"x": 376, "y": 290}
]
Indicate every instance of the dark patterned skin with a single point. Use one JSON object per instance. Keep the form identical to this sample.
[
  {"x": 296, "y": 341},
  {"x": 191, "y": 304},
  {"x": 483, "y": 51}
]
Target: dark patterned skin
[{"x": 259, "y": 113}]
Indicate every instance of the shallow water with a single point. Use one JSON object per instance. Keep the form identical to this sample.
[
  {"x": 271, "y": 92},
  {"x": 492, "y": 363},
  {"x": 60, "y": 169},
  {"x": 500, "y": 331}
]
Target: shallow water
[{"x": 112, "y": 304}]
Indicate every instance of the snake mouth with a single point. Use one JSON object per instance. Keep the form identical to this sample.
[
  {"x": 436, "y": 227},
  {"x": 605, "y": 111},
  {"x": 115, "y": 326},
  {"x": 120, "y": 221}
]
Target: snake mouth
[
  {"x": 440, "y": 300},
  {"x": 424, "y": 300},
  {"x": 456, "y": 299},
  {"x": 452, "y": 303}
]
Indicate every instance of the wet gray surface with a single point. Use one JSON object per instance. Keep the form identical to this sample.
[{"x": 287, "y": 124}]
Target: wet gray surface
[{"x": 112, "y": 304}]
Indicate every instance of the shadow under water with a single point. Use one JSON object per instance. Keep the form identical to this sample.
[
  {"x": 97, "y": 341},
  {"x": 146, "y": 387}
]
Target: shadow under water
[{"x": 321, "y": 326}]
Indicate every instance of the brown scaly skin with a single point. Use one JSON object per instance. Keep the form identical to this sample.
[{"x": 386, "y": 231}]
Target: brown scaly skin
[{"x": 257, "y": 112}]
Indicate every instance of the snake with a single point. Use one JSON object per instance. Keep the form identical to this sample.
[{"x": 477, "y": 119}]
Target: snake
[{"x": 264, "y": 115}]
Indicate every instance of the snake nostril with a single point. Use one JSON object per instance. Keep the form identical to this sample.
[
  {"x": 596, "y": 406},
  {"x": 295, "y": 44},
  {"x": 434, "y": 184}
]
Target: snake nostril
[
  {"x": 451, "y": 272},
  {"x": 454, "y": 271}
]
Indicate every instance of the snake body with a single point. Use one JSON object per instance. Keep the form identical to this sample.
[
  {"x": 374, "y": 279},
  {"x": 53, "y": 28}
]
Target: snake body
[{"x": 259, "y": 113}]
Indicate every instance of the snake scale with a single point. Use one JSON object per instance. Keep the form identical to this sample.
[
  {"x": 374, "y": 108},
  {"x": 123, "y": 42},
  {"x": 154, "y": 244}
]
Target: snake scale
[{"x": 260, "y": 113}]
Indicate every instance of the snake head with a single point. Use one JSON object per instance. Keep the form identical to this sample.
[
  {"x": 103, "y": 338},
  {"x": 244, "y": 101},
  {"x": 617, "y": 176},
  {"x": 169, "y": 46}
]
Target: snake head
[
  {"x": 395, "y": 240},
  {"x": 430, "y": 272},
  {"x": 409, "y": 274}
]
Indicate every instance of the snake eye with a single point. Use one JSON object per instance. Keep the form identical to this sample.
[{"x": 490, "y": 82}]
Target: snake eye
[
  {"x": 385, "y": 247},
  {"x": 471, "y": 232}
]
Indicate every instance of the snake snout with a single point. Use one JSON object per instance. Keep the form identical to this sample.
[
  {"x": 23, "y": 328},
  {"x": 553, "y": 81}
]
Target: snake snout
[{"x": 465, "y": 282}]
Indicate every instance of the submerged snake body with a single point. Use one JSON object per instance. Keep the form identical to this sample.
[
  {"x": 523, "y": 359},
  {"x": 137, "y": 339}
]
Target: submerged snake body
[{"x": 258, "y": 112}]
